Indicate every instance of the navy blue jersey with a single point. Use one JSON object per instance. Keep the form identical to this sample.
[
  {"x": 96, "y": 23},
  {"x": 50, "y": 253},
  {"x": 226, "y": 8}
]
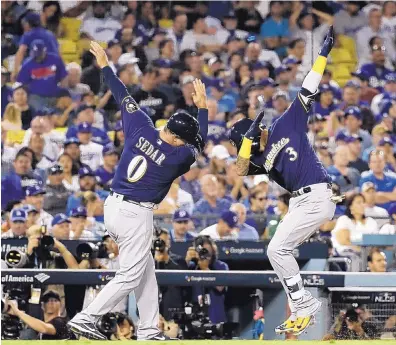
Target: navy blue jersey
[
  {"x": 289, "y": 158},
  {"x": 148, "y": 165}
]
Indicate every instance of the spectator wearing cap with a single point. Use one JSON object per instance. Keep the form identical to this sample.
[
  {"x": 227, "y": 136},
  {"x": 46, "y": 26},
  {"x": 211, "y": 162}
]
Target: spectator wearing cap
[
  {"x": 87, "y": 114},
  {"x": 61, "y": 227},
  {"x": 185, "y": 101},
  {"x": 6, "y": 91},
  {"x": 283, "y": 78},
  {"x": 244, "y": 231},
  {"x": 32, "y": 215},
  {"x": 181, "y": 222},
  {"x": 389, "y": 93},
  {"x": 114, "y": 51},
  {"x": 326, "y": 103},
  {"x": 73, "y": 82},
  {"x": 254, "y": 53},
  {"x": 345, "y": 177},
  {"x": 275, "y": 29},
  {"x": 377, "y": 134},
  {"x": 35, "y": 196},
  {"x": 189, "y": 182},
  {"x": 353, "y": 123},
  {"x": 42, "y": 73},
  {"x": 20, "y": 99},
  {"x": 280, "y": 101},
  {"x": 226, "y": 103},
  {"x": 374, "y": 29},
  {"x": 210, "y": 203},
  {"x": 386, "y": 146},
  {"x": 390, "y": 228},
  {"x": 316, "y": 127},
  {"x": 33, "y": 31},
  {"x": 376, "y": 70},
  {"x": 367, "y": 93},
  {"x": 223, "y": 230},
  {"x": 14, "y": 184},
  {"x": 84, "y": 227},
  {"x": 355, "y": 151},
  {"x": 199, "y": 39},
  {"x": 379, "y": 214},
  {"x": 57, "y": 194},
  {"x": 177, "y": 32},
  {"x": 18, "y": 218},
  {"x": 105, "y": 173},
  {"x": 100, "y": 27},
  {"x": 350, "y": 19},
  {"x": 230, "y": 28},
  {"x": 384, "y": 181},
  {"x": 218, "y": 160},
  {"x": 148, "y": 95}
]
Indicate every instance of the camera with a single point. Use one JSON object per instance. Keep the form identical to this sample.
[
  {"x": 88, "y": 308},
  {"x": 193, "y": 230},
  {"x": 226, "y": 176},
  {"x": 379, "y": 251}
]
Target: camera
[
  {"x": 107, "y": 324},
  {"x": 11, "y": 327},
  {"x": 89, "y": 251},
  {"x": 158, "y": 243},
  {"x": 16, "y": 258},
  {"x": 203, "y": 253}
]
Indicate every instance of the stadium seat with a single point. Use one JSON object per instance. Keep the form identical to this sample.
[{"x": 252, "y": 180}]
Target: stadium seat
[
  {"x": 111, "y": 135},
  {"x": 68, "y": 50},
  {"x": 71, "y": 27},
  {"x": 61, "y": 129},
  {"x": 165, "y": 23},
  {"x": 15, "y": 137}
]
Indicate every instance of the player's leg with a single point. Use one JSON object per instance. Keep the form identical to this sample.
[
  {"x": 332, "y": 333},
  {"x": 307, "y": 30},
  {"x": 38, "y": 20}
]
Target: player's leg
[{"x": 306, "y": 214}]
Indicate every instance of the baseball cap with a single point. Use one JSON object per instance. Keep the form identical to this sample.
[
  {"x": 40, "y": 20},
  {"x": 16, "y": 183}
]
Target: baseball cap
[
  {"x": 29, "y": 208},
  {"x": 385, "y": 141},
  {"x": 390, "y": 77},
  {"x": 362, "y": 75},
  {"x": 352, "y": 138},
  {"x": 55, "y": 169},
  {"x": 50, "y": 294},
  {"x": 352, "y": 83},
  {"x": 187, "y": 79},
  {"x": 281, "y": 69},
  {"x": 281, "y": 93},
  {"x": 127, "y": 58},
  {"x": 181, "y": 215},
  {"x": 18, "y": 215},
  {"x": 213, "y": 60},
  {"x": 218, "y": 84},
  {"x": 325, "y": 88},
  {"x": 37, "y": 47},
  {"x": 385, "y": 107},
  {"x": 113, "y": 42},
  {"x": 260, "y": 65},
  {"x": 79, "y": 212},
  {"x": 118, "y": 126},
  {"x": 34, "y": 190},
  {"x": 17, "y": 86},
  {"x": 316, "y": 118},
  {"x": 85, "y": 171},
  {"x": 260, "y": 179},
  {"x": 59, "y": 219},
  {"x": 267, "y": 82},
  {"x": 230, "y": 218},
  {"x": 341, "y": 136},
  {"x": 220, "y": 152},
  {"x": 71, "y": 140},
  {"x": 291, "y": 60},
  {"x": 32, "y": 18},
  {"x": 109, "y": 149},
  {"x": 367, "y": 185},
  {"x": 230, "y": 15},
  {"x": 354, "y": 111},
  {"x": 84, "y": 127},
  {"x": 163, "y": 63}
]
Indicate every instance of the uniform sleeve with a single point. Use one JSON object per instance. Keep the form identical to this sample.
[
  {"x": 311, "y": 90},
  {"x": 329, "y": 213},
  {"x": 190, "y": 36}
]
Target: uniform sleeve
[
  {"x": 203, "y": 123},
  {"x": 25, "y": 40},
  {"x": 133, "y": 118}
]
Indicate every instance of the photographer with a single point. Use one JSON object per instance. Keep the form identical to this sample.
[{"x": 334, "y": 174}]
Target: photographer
[
  {"x": 171, "y": 297},
  {"x": 53, "y": 326},
  {"x": 203, "y": 256}
]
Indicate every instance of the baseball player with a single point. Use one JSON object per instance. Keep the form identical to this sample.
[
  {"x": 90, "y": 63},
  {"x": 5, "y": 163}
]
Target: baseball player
[
  {"x": 284, "y": 153},
  {"x": 150, "y": 161}
]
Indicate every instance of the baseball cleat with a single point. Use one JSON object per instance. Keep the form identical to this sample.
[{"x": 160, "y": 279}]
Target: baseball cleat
[
  {"x": 159, "y": 337},
  {"x": 287, "y": 326},
  {"x": 86, "y": 330},
  {"x": 302, "y": 323}
]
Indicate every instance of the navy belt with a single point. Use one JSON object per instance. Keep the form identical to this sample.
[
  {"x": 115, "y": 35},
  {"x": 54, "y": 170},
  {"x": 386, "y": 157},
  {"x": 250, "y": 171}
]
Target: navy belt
[
  {"x": 305, "y": 190},
  {"x": 149, "y": 205}
]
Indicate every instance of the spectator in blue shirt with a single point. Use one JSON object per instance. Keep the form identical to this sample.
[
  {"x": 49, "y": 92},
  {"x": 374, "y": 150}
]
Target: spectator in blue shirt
[
  {"x": 33, "y": 30},
  {"x": 245, "y": 231},
  {"x": 384, "y": 181},
  {"x": 225, "y": 102},
  {"x": 13, "y": 185},
  {"x": 275, "y": 29},
  {"x": 105, "y": 173},
  {"x": 180, "y": 223},
  {"x": 189, "y": 182},
  {"x": 210, "y": 203},
  {"x": 6, "y": 91},
  {"x": 326, "y": 100},
  {"x": 42, "y": 73}
]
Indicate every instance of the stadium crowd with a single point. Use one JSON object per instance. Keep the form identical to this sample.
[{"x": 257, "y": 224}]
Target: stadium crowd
[{"x": 62, "y": 135}]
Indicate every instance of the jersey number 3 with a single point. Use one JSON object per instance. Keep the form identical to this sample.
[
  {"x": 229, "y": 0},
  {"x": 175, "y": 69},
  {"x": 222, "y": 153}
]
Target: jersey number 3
[
  {"x": 292, "y": 153},
  {"x": 137, "y": 168}
]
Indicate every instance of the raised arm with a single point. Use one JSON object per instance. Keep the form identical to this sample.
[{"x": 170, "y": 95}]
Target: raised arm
[{"x": 199, "y": 98}]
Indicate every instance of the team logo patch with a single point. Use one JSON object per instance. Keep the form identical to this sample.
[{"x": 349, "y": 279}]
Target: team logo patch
[{"x": 131, "y": 107}]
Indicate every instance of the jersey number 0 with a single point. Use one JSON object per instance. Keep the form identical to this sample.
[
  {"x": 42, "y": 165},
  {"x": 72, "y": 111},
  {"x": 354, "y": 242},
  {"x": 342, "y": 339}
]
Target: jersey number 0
[{"x": 137, "y": 168}]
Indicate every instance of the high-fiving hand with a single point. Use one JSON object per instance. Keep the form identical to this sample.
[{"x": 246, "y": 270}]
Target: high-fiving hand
[
  {"x": 328, "y": 43},
  {"x": 99, "y": 53},
  {"x": 199, "y": 96}
]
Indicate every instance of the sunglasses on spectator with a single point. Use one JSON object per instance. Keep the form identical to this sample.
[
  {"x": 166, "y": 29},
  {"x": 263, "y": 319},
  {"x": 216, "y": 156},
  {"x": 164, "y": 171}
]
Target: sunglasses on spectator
[
  {"x": 377, "y": 47},
  {"x": 181, "y": 221}
]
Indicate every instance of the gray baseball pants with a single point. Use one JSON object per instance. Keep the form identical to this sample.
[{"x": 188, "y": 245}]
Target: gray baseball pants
[
  {"x": 131, "y": 227},
  {"x": 306, "y": 214}
]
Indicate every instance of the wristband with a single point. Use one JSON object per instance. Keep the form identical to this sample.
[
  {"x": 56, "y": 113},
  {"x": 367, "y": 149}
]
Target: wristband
[{"x": 246, "y": 148}]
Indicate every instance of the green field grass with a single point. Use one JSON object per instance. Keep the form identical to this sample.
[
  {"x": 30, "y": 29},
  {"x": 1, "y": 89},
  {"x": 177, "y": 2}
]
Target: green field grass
[{"x": 212, "y": 342}]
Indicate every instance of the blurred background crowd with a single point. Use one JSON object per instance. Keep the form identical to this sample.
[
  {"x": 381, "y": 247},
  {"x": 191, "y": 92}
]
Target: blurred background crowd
[{"x": 62, "y": 135}]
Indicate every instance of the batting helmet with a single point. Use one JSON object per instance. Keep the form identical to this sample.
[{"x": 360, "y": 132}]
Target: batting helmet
[
  {"x": 237, "y": 133},
  {"x": 184, "y": 126}
]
